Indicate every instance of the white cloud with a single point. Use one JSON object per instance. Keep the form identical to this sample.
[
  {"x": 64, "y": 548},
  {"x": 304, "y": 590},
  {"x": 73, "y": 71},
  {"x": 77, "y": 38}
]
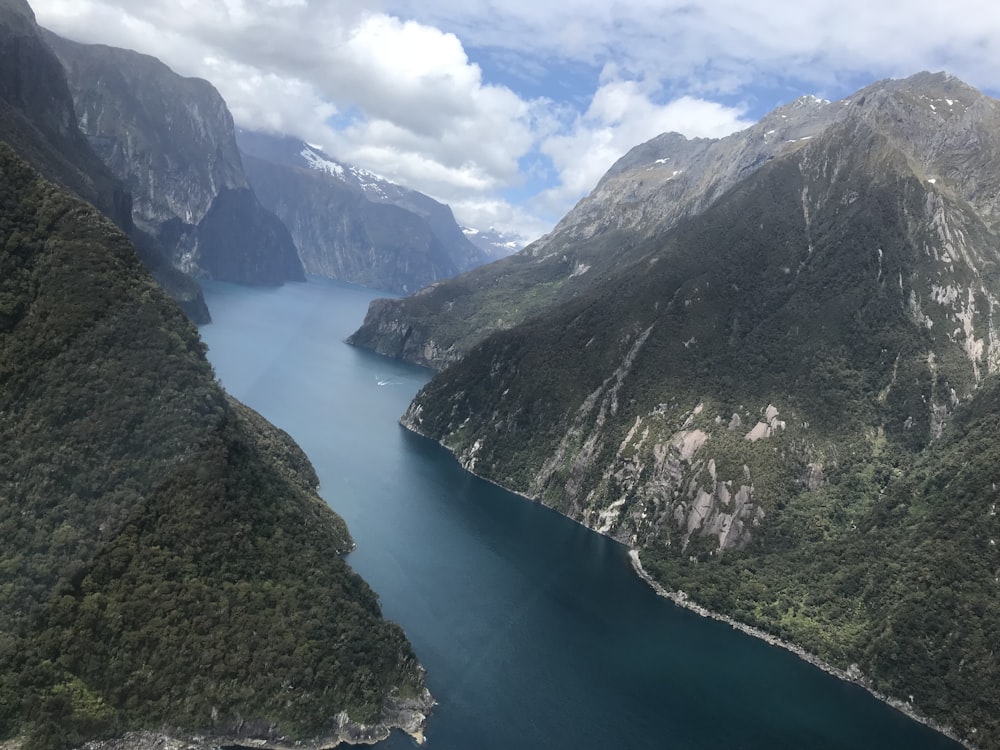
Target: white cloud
[
  {"x": 622, "y": 115},
  {"x": 502, "y": 215},
  {"x": 711, "y": 45},
  {"x": 412, "y": 105}
]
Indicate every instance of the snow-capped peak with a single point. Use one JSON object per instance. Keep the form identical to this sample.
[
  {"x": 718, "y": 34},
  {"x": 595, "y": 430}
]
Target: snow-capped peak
[
  {"x": 320, "y": 164},
  {"x": 496, "y": 243}
]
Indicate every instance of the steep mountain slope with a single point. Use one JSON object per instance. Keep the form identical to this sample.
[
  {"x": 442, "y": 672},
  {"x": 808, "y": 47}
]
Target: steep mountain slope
[
  {"x": 171, "y": 140},
  {"x": 757, "y": 399},
  {"x": 645, "y": 193},
  {"x": 668, "y": 179},
  {"x": 166, "y": 560},
  {"x": 38, "y": 120},
  {"x": 353, "y": 225}
]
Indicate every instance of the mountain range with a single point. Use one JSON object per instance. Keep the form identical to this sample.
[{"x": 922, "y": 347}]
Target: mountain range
[
  {"x": 496, "y": 243},
  {"x": 171, "y": 141},
  {"x": 249, "y": 207},
  {"x": 767, "y": 363},
  {"x": 353, "y": 225}
]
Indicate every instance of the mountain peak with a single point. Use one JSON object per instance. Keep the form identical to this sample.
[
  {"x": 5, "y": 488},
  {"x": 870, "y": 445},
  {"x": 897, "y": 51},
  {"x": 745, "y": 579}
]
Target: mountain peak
[
  {"x": 493, "y": 242},
  {"x": 941, "y": 91}
]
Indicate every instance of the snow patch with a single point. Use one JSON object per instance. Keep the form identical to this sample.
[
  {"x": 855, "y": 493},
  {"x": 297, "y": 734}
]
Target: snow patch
[{"x": 320, "y": 164}]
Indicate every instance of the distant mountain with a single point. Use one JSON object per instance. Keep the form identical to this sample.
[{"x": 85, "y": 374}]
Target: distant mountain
[
  {"x": 769, "y": 364},
  {"x": 38, "y": 120},
  {"x": 353, "y": 225},
  {"x": 171, "y": 140},
  {"x": 495, "y": 243},
  {"x": 167, "y": 563}
]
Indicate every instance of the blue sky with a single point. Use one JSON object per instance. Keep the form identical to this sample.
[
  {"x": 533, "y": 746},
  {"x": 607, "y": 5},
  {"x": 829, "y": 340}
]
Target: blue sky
[{"x": 511, "y": 110}]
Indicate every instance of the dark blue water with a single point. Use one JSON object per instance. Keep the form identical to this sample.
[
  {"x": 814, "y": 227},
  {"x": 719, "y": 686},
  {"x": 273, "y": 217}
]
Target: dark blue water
[{"x": 534, "y": 631}]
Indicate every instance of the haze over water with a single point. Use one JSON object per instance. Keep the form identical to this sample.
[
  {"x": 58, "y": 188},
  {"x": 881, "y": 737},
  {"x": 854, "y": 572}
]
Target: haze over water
[{"x": 534, "y": 631}]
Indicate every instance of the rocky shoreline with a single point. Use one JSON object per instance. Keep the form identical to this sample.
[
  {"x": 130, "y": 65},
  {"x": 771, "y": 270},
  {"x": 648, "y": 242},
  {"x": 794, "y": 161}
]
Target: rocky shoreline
[
  {"x": 852, "y": 674},
  {"x": 408, "y": 714}
]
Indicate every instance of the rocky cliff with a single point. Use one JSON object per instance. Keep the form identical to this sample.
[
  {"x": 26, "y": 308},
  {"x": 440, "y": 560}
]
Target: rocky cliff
[
  {"x": 352, "y": 225},
  {"x": 765, "y": 386},
  {"x": 172, "y": 141},
  {"x": 167, "y": 562},
  {"x": 38, "y": 120}
]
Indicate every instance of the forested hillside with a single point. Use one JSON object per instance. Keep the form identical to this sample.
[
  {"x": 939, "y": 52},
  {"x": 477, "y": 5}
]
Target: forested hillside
[
  {"x": 785, "y": 401},
  {"x": 167, "y": 562}
]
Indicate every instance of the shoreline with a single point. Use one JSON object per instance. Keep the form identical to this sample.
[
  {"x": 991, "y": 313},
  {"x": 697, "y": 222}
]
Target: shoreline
[
  {"x": 408, "y": 715},
  {"x": 349, "y": 734},
  {"x": 852, "y": 675}
]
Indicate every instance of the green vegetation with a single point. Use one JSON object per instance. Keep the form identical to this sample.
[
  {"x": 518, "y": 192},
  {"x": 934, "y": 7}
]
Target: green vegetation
[
  {"x": 907, "y": 588},
  {"x": 456, "y": 313},
  {"x": 861, "y": 538},
  {"x": 165, "y": 559}
]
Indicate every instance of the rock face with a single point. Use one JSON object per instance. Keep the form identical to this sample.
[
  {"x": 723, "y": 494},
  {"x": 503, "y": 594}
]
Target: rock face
[
  {"x": 167, "y": 562},
  {"x": 172, "y": 141},
  {"x": 38, "y": 117},
  {"x": 38, "y": 120},
  {"x": 352, "y": 225},
  {"x": 757, "y": 386}
]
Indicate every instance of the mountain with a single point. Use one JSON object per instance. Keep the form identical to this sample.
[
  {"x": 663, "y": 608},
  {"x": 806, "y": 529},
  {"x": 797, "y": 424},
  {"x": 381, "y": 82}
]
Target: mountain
[
  {"x": 172, "y": 141},
  {"x": 769, "y": 364},
  {"x": 645, "y": 193},
  {"x": 495, "y": 243},
  {"x": 351, "y": 224},
  {"x": 37, "y": 119},
  {"x": 167, "y": 561}
]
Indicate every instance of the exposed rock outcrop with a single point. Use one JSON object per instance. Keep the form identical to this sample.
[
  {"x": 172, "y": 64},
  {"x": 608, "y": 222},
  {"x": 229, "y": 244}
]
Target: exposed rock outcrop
[
  {"x": 38, "y": 120},
  {"x": 172, "y": 141}
]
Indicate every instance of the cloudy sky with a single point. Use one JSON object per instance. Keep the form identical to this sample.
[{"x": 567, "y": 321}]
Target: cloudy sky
[{"x": 511, "y": 110}]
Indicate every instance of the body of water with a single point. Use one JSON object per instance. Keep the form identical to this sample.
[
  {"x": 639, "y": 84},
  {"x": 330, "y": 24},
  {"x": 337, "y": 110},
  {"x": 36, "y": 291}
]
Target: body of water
[{"x": 534, "y": 631}]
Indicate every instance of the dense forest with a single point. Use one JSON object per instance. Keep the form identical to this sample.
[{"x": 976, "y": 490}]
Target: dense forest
[
  {"x": 777, "y": 404},
  {"x": 166, "y": 560}
]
